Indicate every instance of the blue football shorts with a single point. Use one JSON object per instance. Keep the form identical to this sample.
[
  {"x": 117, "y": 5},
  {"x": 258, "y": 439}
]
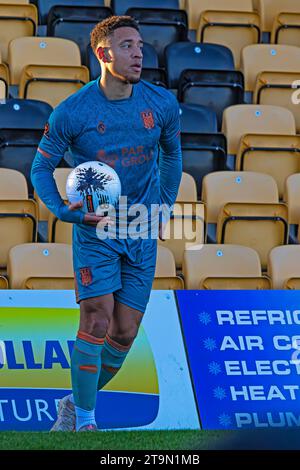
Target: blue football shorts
[{"x": 126, "y": 268}]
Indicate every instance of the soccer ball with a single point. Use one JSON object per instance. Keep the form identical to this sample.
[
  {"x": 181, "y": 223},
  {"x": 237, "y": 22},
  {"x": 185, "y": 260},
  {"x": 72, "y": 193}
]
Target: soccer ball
[{"x": 96, "y": 184}]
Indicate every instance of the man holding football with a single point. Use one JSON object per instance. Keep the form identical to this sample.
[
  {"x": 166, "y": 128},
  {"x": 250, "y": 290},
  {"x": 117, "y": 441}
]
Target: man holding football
[{"x": 126, "y": 123}]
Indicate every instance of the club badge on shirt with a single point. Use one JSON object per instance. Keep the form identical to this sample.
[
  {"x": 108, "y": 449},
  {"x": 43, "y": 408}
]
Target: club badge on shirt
[
  {"x": 85, "y": 276},
  {"x": 148, "y": 119}
]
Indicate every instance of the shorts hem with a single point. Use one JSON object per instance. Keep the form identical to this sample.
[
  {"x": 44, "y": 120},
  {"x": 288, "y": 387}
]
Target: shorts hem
[
  {"x": 111, "y": 290},
  {"x": 131, "y": 304}
]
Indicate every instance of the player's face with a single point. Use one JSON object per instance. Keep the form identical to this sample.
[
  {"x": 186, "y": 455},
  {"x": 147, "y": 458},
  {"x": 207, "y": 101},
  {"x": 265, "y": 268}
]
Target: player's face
[{"x": 126, "y": 54}]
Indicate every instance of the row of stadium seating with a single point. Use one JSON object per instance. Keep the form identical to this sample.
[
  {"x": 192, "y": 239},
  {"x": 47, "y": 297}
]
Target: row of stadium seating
[
  {"x": 255, "y": 138},
  {"x": 49, "y": 266},
  {"x": 236, "y": 208}
]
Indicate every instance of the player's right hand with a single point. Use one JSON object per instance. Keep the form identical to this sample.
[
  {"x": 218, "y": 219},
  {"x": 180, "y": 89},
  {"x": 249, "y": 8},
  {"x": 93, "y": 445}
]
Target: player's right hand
[{"x": 91, "y": 218}]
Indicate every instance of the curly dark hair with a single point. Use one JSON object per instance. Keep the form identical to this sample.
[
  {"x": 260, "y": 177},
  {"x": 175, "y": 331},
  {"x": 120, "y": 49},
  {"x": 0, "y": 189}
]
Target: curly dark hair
[{"x": 106, "y": 27}]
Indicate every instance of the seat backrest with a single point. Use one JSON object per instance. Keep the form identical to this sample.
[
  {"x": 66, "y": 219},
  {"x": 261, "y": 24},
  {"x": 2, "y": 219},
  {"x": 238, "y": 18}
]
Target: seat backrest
[
  {"x": 16, "y": 21},
  {"x": 292, "y": 197},
  {"x": 3, "y": 282},
  {"x": 165, "y": 263},
  {"x": 13, "y": 184},
  {"x": 39, "y": 260},
  {"x": 4, "y": 80},
  {"x": 195, "y": 8},
  {"x": 21, "y": 114},
  {"x": 187, "y": 189},
  {"x": 258, "y": 58},
  {"x": 120, "y": 7},
  {"x": 269, "y": 9},
  {"x": 286, "y": 29},
  {"x": 276, "y": 155},
  {"x": 197, "y": 118},
  {"x": 221, "y": 187},
  {"x": 202, "y": 261},
  {"x": 40, "y": 51},
  {"x": 257, "y": 225},
  {"x": 53, "y": 84},
  {"x": 236, "y": 283},
  {"x": 283, "y": 264},
  {"x": 257, "y": 119},
  {"x": 44, "y": 6},
  {"x": 194, "y": 55},
  {"x": 18, "y": 224}
]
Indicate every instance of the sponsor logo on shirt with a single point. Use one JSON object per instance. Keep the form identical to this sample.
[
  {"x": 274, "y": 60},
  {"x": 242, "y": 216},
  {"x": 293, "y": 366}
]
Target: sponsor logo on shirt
[{"x": 148, "y": 119}]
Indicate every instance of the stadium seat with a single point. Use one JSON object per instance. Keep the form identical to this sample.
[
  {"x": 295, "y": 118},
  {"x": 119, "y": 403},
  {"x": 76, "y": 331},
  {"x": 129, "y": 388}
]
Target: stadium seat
[
  {"x": 195, "y": 118},
  {"x": 18, "y": 224},
  {"x": 60, "y": 175},
  {"x": 150, "y": 60},
  {"x": 44, "y": 6},
  {"x": 259, "y": 119},
  {"x": 187, "y": 189},
  {"x": 4, "y": 81},
  {"x": 3, "y": 282},
  {"x": 75, "y": 23},
  {"x": 269, "y": 9},
  {"x": 58, "y": 231},
  {"x": 17, "y": 2},
  {"x": 194, "y": 55},
  {"x": 120, "y": 7},
  {"x": 53, "y": 84},
  {"x": 155, "y": 76},
  {"x": 228, "y": 266},
  {"x": 286, "y": 29},
  {"x": 203, "y": 154},
  {"x": 292, "y": 198},
  {"x": 16, "y": 21},
  {"x": 185, "y": 228},
  {"x": 221, "y": 187},
  {"x": 195, "y": 8},
  {"x": 257, "y": 225},
  {"x": 268, "y": 58},
  {"x": 165, "y": 271},
  {"x": 161, "y": 27},
  {"x": 233, "y": 29},
  {"x": 40, "y": 51},
  {"x": 216, "y": 89},
  {"x": 40, "y": 266},
  {"x": 276, "y": 155},
  {"x": 280, "y": 89},
  {"x": 21, "y": 114},
  {"x": 13, "y": 184},
  {"x": 284, "y": 266},
  {"x": 18, "y": 149}
]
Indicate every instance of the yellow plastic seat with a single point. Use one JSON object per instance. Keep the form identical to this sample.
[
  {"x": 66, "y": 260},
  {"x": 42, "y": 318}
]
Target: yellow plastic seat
[
  {"x": 58, "y": 231},
  {"x": 275, "y": 155},
  {"x": 259, "y": 226},
  {"x": 3, "y": 282},
  {"x": 284, "y": 265},
  {"x": 195, "y": 8},
  {"x": 16, "y": 21},
  {"x": 4, "y": 81},
  {"x": 40, "y": 266},
  {"x": 233, "y": 29},
  {"x": 185, "y": 228},
  {"x": 187, "y": 189},
  {"x": 204, "y": 263},
  {"x": 292, "y": 284},
  {"x": 269, "y": 10},
  {"x": 278, "y": 88},
  {"x": 52, "y": 84},
  {"x": 255, "y": 119},
  {"x": 13, "y": 184},
  {"x": 165, "y": 271},
  {"x": 286, "y": 29},
  {"x": 40, "y": 51},
  {"x": 18, "y": 224},
  {"x": 237, "y": 283},
  {"x": 259, "y": 58},
  {"x": 292, "y": 198}
]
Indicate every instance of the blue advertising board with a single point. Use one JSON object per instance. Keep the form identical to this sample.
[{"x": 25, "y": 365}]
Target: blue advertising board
[{"x": 243, "y": 350}]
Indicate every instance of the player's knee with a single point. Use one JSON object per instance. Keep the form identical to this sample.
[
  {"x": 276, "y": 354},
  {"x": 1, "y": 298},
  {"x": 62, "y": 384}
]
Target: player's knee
[{"x": 95, "y": 316}]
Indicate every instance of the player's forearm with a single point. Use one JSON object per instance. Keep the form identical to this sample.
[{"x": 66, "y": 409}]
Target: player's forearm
[
  {"x": 170, "y": 167},
  {"x": 45, "y": 186}
]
